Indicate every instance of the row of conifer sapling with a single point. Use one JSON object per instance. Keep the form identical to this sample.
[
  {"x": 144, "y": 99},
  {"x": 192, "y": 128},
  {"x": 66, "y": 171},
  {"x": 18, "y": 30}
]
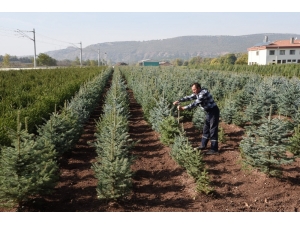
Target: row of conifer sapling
[
  {"x": 162, "y": 119},
  {"x": 113, "y": 163},
  {"x": 29, "y": 167}
]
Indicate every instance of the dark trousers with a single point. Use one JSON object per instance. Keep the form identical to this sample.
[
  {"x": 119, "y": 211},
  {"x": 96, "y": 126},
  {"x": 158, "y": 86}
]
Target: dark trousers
[{"x": 210, "y": 129}]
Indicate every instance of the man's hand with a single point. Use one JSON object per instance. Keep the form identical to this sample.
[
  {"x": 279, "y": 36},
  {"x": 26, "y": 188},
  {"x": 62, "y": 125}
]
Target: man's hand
[
  {"x": 176, "y": 103},
  {"x": 180, "y": 108}
]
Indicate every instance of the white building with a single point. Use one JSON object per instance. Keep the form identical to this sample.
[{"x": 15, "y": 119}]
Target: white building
[{"x": 277, "y": 52}]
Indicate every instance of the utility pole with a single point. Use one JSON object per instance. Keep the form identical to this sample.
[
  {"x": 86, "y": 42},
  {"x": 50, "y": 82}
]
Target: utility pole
[
  {"x": 34, "y": 56},
  {"x": 98, "y": 57},
  {"x": 33, "y": 39},
  {"x": 80, "y": 54}
]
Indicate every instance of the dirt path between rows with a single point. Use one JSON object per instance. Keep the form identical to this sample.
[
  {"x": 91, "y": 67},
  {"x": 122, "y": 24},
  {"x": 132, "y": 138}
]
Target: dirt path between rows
[{"x": 160, "y": 185}]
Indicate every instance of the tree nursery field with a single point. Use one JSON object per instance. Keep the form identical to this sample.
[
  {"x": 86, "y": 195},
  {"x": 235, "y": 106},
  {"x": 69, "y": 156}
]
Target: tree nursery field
[{"x": 157, "y": 181}]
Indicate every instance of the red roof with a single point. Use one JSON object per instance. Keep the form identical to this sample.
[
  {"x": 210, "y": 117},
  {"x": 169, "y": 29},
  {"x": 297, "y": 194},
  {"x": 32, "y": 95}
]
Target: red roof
[{"x": 277, "y": 44}]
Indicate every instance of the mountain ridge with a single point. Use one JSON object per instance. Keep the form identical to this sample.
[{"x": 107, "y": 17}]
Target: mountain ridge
[{"x": 184, "y": 47}]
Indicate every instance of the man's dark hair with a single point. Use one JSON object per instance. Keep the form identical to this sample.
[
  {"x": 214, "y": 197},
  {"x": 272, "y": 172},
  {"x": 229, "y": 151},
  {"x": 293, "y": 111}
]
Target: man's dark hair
[{"x": 196, "y": 84}]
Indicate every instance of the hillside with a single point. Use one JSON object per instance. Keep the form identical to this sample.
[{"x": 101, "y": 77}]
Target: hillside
[{"x": 184, "y": 47}]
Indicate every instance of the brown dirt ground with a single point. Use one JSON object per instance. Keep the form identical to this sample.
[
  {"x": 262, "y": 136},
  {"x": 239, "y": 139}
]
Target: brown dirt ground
[{"x": 160, "y": 185}]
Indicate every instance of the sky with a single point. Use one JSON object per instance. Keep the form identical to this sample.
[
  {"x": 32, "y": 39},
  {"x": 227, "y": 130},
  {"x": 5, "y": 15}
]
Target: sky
[{"x": 57, "y": 25}]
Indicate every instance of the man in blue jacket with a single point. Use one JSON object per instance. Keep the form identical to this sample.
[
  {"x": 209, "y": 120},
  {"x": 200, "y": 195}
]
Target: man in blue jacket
[{"x": 205, "y": 100}]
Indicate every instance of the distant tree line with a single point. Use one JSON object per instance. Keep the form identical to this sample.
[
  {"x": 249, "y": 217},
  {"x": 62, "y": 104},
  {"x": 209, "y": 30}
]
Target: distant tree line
[
  {"x": 43, "y": 59},
  {"x": 76, "y": 62},
  {"x": 227, "y": 59},
  {"x": 13, "y": 61},
  {"x": 239, "y": 63},
  {"x": 229, "y": 62},
  {"x": 16, "y": 59}
]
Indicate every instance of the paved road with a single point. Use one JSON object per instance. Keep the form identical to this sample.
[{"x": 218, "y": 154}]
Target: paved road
[{"x": 30, "y": 68}]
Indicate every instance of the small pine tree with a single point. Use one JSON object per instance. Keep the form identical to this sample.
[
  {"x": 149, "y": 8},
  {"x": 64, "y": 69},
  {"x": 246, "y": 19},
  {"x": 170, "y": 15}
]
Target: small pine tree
[
  {"x": 28, "y": 168},
  {"x": 228, "y": 112},
  {"x": 203, "y": 182},
  {"x": 184, "y": 154},
  {"x": 265, "y": 98},
  {"x": 253, "y": 113},
  {"x": 238, "y": 118},
  {"x": 294, "y": 142},
  {"x": 296, "y": 117},
  {"x": 169, "y": 129},
  {"x": 265, "y": 146},
  {"x": 198, "y": 119},
  {"x": 62, "y": 130},
  {"x": 221, "y": 135},
  {"x": 112, "y": 168},
  {"x": 287, "y": 98},
  {"x": 242, "y": 98},
  {"x": 218, "y": 92},
  {"x": 114, "y": 177},
  {"x": 158, "y": 113}
]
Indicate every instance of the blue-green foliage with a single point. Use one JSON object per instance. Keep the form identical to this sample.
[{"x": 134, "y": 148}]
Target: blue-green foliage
[
  {"x": 265, "y": 98},
  {"x": 167, "y": 85},
  {"x": 184, "y": 154},
  {"x": 113, "y": 165},
  {"x": 159, "y": 113},
  {"x": 294, "y": 142},
  {"x": 62, "y": 130},
  {"x": 288, "y": 97},
  {"x": 199, "y": 117},
  {"x": 28, "y": 167},
  {"x": 168, "y": 129},
  {"x": 265, "y": 146},
  {"x": 253, "y": 113},
  {"x": 229, "y": 111}
]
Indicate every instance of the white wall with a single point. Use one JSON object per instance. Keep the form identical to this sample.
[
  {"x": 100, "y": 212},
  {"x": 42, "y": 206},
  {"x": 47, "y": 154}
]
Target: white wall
[
  {"x": 264, "y": 57},
  {"x": 286, "y": 57},
  {"x": 259, "y": 59}
]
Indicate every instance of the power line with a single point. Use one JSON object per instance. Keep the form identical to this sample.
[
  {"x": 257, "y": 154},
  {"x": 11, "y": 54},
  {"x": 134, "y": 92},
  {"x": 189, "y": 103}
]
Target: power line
[
  {"x": 6, "y": 29},
  {"x": 22, "y": 34},
  {"x": 58, "y": 40},
  {"x": 54, "y": 39},
  {"x": 8, "y": 32},
  {"x": 12, "y": 32},
  {"x": 52, "y": 43}
]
